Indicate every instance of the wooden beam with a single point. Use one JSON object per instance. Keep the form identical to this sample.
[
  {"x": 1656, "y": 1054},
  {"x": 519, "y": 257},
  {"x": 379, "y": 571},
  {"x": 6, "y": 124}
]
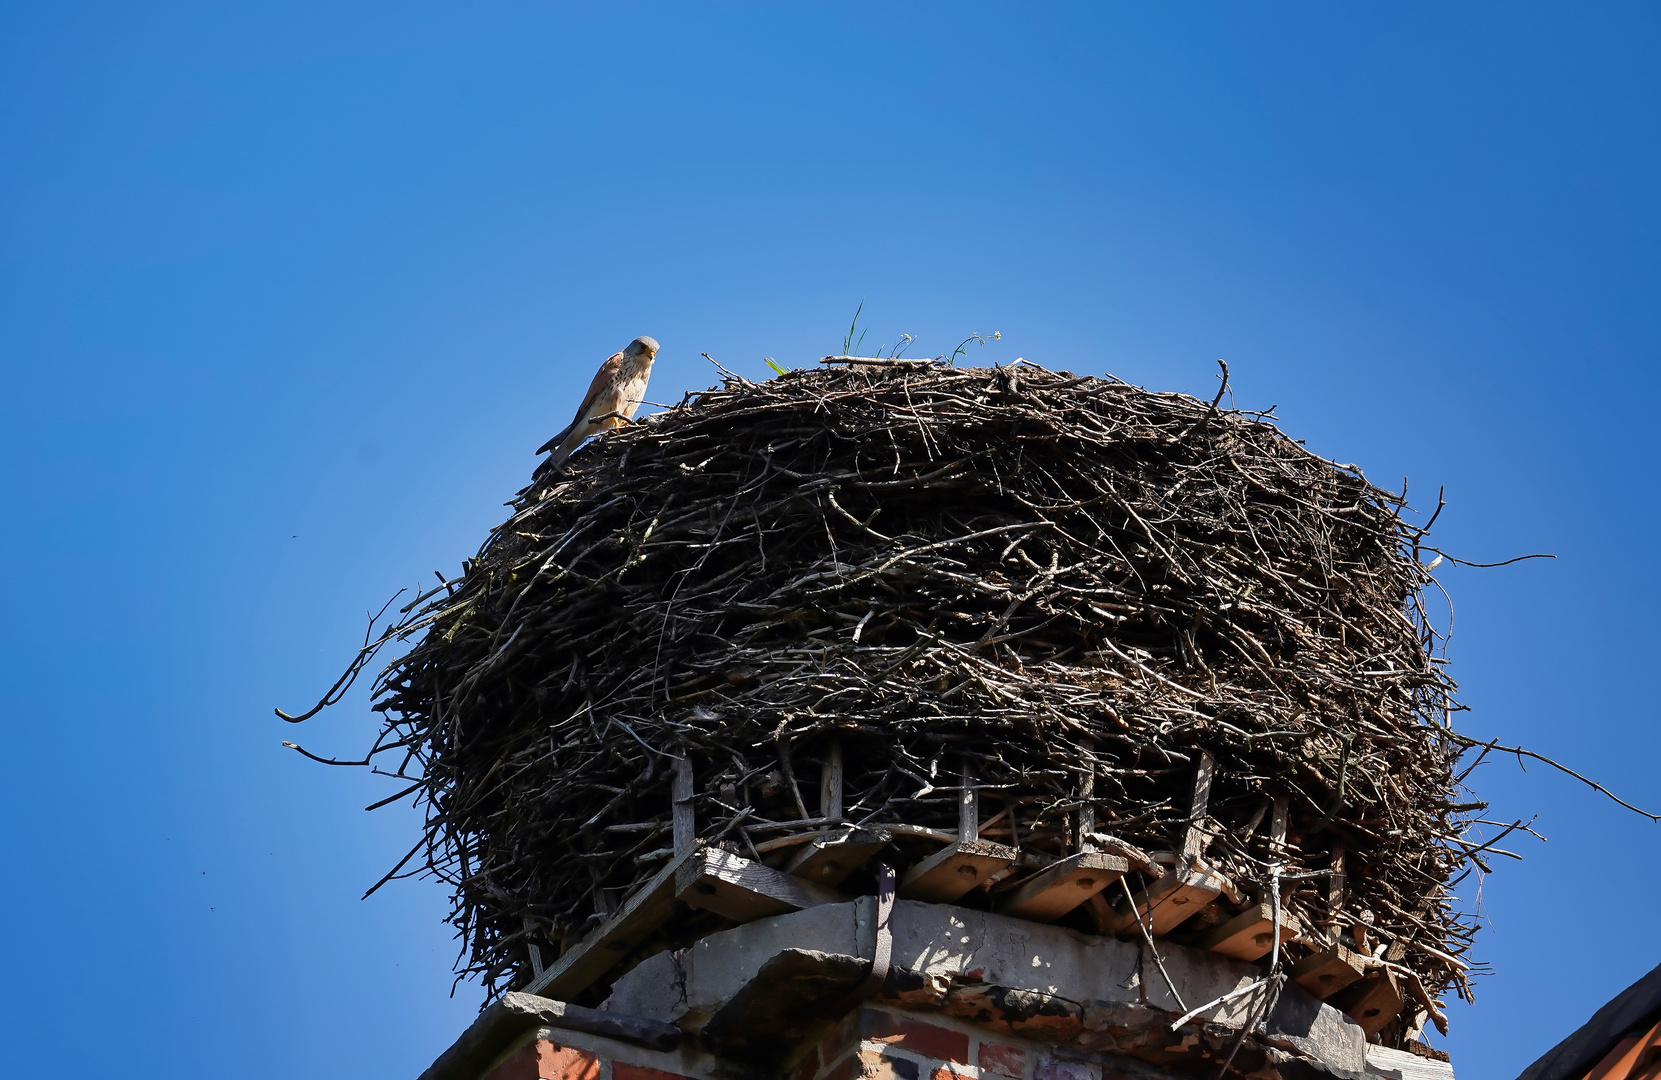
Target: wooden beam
[
  {"x": 1326, "y": 972},
  {"x": 1250, "y": 935},
  {"x": 968, "y": 808},
  {"x": 1063, "y": 886},
  {"x": 830, "y": 784},
  {"x": 1372, "y": 1002},
  {"x": 742, "y": 890},
  {"x": 680, "y": 794},
  {"x": 586, "y": 962},
  {"x": 826, "y": 860},
  {"x": 954, "y": 870}
]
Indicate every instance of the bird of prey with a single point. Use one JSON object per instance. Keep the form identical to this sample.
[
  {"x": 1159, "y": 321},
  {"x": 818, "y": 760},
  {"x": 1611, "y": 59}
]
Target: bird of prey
[{"x": 612, "y": 399}]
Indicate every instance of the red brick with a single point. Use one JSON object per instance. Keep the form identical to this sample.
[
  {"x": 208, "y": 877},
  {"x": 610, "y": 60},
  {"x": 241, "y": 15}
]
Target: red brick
[
  {"x": 622, "y": 1070},
  {"x": 949, "y": 1072},
  {"x": 521, "y": 1066},
  {"x": 915, "y": 1036},
  {"x": 544, "y": 1060},
  {"x": 876, "y": 1065},
  {"x": 1002, "y": 1060},
  {"x": 840, "y": 1040},
  {"x": 807, "y": 1068},
  {"x": 556, "y": 1062},
  {"x": 843, "y": 1070}
]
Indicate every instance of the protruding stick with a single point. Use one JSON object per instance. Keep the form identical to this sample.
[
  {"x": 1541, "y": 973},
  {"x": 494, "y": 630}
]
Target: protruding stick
[{"x": 968, "y": 808}]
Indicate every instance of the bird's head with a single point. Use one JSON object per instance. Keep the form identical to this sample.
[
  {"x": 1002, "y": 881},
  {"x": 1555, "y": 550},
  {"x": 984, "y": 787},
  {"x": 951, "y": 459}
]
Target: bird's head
[{"x": 642, "y": 347}]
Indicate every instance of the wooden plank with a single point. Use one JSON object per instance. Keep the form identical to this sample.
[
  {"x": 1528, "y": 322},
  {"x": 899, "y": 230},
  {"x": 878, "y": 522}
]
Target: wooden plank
[
  {"x": 830, "y": 784},
  {"x": 1386, "y": 1063},
  {"x": 1326, "y": 972},
  {"x": 1167, "y": 904},
  {"x": 1371, "y": 1002},
  {"x": 742, "y": 890},
  {"x": 1250, "y": 935},
  {"x": 1063, "y": 886},
  {"x": 586, "y": 962},
  {"x": 826, "y": 860},
  {"x": 968, "y": 808},
  {"x": 1193, "y": 839},
  {"x": 680, "y": 794},
  {"x": 954, "y": 870}
]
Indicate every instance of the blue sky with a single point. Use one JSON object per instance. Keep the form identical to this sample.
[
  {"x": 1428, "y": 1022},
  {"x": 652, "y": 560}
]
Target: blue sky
[{"x": 288, "y": 295}]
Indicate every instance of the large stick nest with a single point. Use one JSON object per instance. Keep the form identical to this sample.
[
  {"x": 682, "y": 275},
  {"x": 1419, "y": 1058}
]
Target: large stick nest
[{"x": 938, "y": 569}]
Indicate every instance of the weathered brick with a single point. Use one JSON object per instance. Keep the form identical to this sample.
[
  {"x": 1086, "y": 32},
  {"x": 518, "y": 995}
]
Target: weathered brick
[
  {"x": 521, "y": 1066},
  {"x": 876, "y": 1065},
  {"x": 953, "y": 1072},
  {"x": 622, "y": 1070},
  {"x": 841, "y": 1039},
  {"x": 915, "y": 1036},
  {"x": 1054, "y": 1069},
  {"x": 1001, "y": 1059},
  {"x": 545, "y": 1060},
  {"x": 807, "y": 1068},
  {"x": 556, "y": 1062},
  {"x": 841, "y": 1070}
]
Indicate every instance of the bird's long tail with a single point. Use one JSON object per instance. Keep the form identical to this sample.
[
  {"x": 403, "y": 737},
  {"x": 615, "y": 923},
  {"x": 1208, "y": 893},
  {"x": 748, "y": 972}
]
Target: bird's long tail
[{"x": 562, "y": 446}]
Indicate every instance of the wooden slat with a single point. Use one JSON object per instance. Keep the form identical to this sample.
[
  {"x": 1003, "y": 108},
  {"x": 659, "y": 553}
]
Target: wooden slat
[
  {"x": 1372, "y": 1002},
  {"x": 826, "y": 860},
  {"x": 742, "y": 890},
  {"x": 1063, "y": 886},
  {"x": 586, "y": 962},
  {"x": 1169, "y": 902},
  {"x": 954, "y": 870},
  {"x": 1250, "y": 935},
  {"x": 1326, "y": 972}
]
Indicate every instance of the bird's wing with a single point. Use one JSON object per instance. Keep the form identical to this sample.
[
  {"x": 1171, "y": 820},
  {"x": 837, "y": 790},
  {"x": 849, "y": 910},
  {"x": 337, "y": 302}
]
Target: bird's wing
[{"x": 607, "y": 372}]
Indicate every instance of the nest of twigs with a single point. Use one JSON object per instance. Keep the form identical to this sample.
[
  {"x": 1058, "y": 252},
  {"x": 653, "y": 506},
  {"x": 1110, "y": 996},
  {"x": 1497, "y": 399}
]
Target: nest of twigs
[{"x": 1027, "y": 574}]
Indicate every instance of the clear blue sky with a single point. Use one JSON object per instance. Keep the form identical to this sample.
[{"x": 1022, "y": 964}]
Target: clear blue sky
[{"x": 288, "y": 295}]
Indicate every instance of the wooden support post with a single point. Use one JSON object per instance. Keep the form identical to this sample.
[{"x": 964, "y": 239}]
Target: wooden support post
[
  {"x": 1087, "y": 804},
  {"x": 968, "y": 808},
  {"x": 830, "y": 784},
  {"x": 1063, "y": 886},
  {"x": 826, "y": 860},
  {"x": 680, "y": 791},
  {"x": 1277, "y": 829},
  {"x": 1249, "y": 935},
  {"x": 954, "y": 870},
  {"x": 1193, "y": 840},
  {"x": 1335, "y": 891},
  {"x": 531, "y": 946}
]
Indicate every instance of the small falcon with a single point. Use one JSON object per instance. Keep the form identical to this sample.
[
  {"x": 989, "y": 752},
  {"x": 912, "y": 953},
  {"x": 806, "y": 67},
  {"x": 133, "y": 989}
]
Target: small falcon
[{"x": 612, "y": 399}]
